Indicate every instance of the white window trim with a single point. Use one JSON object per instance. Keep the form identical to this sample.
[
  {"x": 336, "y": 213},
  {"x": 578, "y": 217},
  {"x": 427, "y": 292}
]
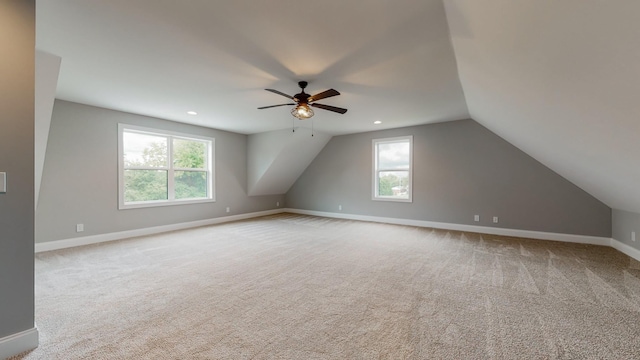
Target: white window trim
[
  {"x": 375, "y": 171},
  {"x": 171, "y": 201}
]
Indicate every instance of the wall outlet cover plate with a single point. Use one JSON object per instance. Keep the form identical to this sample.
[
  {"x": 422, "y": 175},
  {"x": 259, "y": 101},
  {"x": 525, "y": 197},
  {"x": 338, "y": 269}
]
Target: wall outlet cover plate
[{"x": 3, "y": 182}]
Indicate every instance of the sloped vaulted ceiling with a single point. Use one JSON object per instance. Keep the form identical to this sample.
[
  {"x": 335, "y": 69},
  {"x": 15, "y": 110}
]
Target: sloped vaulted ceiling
[{"x": 561, "y": 81}]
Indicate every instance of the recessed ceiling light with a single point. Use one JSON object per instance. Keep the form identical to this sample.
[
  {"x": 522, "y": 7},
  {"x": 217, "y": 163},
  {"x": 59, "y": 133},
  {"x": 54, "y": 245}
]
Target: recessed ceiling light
[
  {"x": 192, "y": 113},
  {"x": 377, "y": 122}
]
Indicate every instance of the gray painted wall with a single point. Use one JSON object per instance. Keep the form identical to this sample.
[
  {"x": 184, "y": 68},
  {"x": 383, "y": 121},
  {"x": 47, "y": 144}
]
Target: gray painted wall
[
  {"x": 460, "y": 169},
  {"x": 17, "y": 67},
  {"x": 624, "y": 222},
  {"x": 80, "y": 178}
]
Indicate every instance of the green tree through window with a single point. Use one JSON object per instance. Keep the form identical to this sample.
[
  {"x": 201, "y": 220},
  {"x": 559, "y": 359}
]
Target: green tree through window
[
  {"x": 190, "y": 155},
  {"x": 163, "y": 167},
  {"x": 392, "y": 168}
]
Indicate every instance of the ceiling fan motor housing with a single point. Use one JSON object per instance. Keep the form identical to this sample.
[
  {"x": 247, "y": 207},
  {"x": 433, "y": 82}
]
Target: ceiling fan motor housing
[{"x": 302, "y": 97}]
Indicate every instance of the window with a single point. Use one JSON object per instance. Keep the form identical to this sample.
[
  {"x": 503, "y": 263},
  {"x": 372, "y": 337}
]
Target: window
[
  {"x": 159, "y": 168},
  {"x": 392, "y": 163}
]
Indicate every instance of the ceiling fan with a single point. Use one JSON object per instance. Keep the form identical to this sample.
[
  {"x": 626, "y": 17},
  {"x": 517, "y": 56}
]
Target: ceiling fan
[{"x": 303, "y": 101}]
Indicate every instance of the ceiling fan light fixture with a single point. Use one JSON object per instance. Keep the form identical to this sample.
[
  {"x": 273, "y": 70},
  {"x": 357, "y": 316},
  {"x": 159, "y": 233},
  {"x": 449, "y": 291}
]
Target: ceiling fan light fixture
[{"x": 302, "y": 111}]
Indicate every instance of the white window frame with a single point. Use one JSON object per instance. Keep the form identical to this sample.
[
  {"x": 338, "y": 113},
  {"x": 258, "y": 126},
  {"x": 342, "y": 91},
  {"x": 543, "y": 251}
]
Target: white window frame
[
  {"x": 376, "y": 170},
  {"x": 170, "y": 135}
]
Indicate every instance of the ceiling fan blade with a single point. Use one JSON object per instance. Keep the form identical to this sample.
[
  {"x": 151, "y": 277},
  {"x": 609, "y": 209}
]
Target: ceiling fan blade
[
  {"x": 280, "y": 93},
  {"x": 330, "y": 108},
  {"x": 323, "y": 95},
  {"x": 270, "y": 106}
]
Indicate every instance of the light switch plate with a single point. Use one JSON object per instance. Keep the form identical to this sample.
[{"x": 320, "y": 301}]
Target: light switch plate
[{"x": 3, "y": 182}]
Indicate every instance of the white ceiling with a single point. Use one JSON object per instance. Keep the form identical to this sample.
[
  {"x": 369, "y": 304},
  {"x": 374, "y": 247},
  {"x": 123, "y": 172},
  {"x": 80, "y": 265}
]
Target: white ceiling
[
  {"x": 558, "y": 79},
  {"x": 391, "y": 60}
]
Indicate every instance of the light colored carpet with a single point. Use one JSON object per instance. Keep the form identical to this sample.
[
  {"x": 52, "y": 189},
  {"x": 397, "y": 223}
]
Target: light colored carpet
[{"x": 300, "y": 287}]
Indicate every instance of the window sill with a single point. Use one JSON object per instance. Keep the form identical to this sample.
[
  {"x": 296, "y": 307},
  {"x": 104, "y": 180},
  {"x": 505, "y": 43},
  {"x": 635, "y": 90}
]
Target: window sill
[
  {"x": 391, "y": 199},
  {"x": 160, "y": 203}
]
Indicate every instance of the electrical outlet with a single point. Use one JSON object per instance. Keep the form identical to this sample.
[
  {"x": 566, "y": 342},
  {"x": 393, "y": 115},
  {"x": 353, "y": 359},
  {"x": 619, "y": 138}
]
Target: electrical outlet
[
  {"x": 3, "y": 182},
  {"x": 633, "y": 236},
  {"x": 277, "y": 203},
  {"x": 228, "y": 209},
  {"x": 79, "y": 227},
  {"x": 340, "y": 207},
  {"x": 476, "y": 217},
  {"x": 495, "y": 219}
]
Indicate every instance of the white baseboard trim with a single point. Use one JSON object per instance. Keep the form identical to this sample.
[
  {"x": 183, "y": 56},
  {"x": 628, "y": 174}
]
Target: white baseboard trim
[
  {"x": 540, "y": 235},
  {"x": 15, "y": 344},
  {"x": 625, "y": 249},
  {"x": 94, "y": 239}
]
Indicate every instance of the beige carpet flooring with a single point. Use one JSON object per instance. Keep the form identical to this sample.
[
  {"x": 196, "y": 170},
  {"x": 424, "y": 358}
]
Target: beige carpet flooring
[{"x": 299, "y": 287}]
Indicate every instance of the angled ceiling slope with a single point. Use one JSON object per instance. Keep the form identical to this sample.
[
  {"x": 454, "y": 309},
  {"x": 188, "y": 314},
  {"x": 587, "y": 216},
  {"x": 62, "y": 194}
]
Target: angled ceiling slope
[
  {"x": 558, "y": 79},
  {"x": 276, "y": 159},
  {"x": 561, "y": 81}
]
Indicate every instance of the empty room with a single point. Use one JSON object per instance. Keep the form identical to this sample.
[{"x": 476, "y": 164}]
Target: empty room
[{"x": 345, "y": 179}]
